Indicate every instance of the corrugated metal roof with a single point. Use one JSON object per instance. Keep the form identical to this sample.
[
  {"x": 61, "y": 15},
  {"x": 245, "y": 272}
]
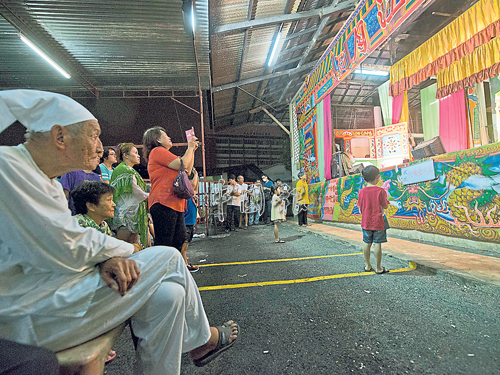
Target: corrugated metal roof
[{"x": 113, "y": 45}]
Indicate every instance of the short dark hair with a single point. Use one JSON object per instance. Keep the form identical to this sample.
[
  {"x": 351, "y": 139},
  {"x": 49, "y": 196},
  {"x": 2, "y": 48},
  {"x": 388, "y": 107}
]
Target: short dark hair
[
  {"x": 89, "y": 192},
  {"x": 231, "y": 177},
  {"x": 370, "y": 173},
  {"x": 105, "y": 154},
  {"x": 300, "y": 174}
]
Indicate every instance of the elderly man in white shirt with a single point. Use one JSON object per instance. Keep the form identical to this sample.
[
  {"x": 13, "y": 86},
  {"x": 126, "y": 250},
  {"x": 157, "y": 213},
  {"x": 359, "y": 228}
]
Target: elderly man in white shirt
[{"x": 61, "y": 284}]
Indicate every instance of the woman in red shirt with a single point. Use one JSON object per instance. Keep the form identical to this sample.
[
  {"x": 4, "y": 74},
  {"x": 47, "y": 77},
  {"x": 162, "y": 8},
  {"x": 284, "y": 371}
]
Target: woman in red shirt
[{"x": 167, "y": 210}]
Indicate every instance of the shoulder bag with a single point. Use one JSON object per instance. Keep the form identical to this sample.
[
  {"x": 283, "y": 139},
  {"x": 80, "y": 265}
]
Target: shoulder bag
[{"x": 182, "y": 186}]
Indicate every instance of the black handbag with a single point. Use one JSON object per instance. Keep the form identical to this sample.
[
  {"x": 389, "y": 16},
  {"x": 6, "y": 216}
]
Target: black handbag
[{"x": 182, "y": 186}]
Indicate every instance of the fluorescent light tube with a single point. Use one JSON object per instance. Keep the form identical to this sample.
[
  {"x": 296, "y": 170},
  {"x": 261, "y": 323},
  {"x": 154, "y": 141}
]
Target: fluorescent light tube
[
  {"x": 275, "y": 47},
  {"x": 372, "y": 72},
  {"x": 192, "y": 16},
  {"x": 47, "y": 58}
]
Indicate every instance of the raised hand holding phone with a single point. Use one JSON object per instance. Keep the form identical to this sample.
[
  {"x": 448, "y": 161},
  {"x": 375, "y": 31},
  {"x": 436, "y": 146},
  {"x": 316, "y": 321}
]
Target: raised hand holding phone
[
  {"x": 191, "y": 138},
  {"x": 189, "y": 134}
]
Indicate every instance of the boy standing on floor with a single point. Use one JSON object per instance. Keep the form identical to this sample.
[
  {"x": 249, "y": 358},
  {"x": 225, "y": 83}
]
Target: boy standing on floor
[{"x": 372, "y": 202}]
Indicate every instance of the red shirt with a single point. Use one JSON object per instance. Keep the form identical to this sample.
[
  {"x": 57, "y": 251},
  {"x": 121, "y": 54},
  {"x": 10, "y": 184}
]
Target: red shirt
[
  {"x": 162, "y": 180},
  {"x": 371, "y": 201}
]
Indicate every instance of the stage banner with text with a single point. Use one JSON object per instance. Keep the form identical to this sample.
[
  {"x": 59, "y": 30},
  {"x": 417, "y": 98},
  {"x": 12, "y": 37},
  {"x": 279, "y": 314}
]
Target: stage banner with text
[{"x": 367, "y": 27}]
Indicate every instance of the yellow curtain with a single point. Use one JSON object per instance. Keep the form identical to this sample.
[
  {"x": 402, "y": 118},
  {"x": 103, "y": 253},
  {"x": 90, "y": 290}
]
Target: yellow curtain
[
  {"x": 480, "y": 65},
  {"x": 473, "y": 28},
  {"x": 405, "y": 111}
]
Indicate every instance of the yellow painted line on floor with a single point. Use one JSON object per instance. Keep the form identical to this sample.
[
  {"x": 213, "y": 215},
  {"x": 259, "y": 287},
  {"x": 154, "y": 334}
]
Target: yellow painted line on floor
[
  {"x": 298, "y": 281},
  {"x": 275, "y": 260}
]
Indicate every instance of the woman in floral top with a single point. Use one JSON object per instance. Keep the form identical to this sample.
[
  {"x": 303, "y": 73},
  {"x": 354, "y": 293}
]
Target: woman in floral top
[
  {"x": 93, "y": 202},
  {"x": 131, "y": 212}
]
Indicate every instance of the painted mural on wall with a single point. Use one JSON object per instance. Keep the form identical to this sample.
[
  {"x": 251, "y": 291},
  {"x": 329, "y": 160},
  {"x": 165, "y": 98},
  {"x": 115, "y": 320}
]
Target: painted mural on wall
[
  {"x": 308, "y": 148},
  {"x": 371, "y": 23},
  {"x": 463, "y": 201}
]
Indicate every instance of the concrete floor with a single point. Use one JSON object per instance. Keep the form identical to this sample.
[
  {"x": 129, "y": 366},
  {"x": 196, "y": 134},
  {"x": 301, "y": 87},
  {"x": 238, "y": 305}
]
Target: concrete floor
[{"x": 307, "y": 307}]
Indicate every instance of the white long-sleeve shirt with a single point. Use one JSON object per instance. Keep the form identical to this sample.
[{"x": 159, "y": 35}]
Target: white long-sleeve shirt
[{"x": 45, "y": 267}]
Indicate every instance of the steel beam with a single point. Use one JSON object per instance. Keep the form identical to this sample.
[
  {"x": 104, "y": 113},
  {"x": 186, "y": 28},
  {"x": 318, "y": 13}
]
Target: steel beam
[
  {"x": 301, "y": 33},
  {"x": 263, "y": 78},
  {"x": 321, "y": 13},
  {"x": 312, "y": 42}
]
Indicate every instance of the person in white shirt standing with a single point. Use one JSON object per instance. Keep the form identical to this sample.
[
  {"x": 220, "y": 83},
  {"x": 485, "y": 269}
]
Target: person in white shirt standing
[
  {"x": 244, "y": 202},
  {"x": 233, "y": 194}
]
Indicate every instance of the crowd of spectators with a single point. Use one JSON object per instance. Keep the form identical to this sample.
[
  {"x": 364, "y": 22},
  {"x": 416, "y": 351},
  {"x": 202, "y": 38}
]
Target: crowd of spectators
[{"x": 67, "y": 277}]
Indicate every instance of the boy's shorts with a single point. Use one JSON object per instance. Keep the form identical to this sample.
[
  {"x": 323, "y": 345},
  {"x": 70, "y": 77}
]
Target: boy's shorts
[
  {"x": 374, "y": 236},
  {"x": 189, "y": 233}
]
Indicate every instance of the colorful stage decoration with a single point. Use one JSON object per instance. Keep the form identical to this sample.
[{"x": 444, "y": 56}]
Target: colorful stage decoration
[
  {"x": 474, "y": 116},
  {"x": 462, "y": 201},
  {"x": 308, "y": 151},
  {"x": 377, "y": 143},
  {"x": 371, "y": 23}
]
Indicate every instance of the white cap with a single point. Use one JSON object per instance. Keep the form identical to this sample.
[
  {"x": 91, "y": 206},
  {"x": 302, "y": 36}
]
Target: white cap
[{"x": 39, "y": 111}]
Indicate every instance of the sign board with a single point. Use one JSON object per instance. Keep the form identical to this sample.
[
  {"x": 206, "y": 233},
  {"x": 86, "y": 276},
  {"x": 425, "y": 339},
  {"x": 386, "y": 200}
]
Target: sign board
[{"x": 420, "y": 172}]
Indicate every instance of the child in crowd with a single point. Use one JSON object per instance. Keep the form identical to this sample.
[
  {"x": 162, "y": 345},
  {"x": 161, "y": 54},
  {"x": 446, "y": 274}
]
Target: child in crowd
[
  {"x": 277, "y": 212},
  {"x": 190, "y": 214},
  {"x": 372, "y": 202}
]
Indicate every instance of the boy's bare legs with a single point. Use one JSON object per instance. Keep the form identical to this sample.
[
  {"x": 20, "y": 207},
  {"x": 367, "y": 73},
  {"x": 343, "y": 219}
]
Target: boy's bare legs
[
  {"x": 184, "y": 249},
  {"x": 212, "y": 342},
  {"x": 366, "y": 253},
  {"x": 377, "y": 250},
  {"x": 276, "y": 235}
]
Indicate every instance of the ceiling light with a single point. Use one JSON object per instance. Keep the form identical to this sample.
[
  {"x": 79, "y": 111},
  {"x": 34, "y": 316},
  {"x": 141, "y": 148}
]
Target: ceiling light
[
  {"x": 442, "y": 14},
  {"x": 275, "y": 47},
  {"x": 192, "y": 16},
  {"x": 47, "y": 58},
  {"x": 372, "y": 72},
  {"x": 188, "y": 16}
]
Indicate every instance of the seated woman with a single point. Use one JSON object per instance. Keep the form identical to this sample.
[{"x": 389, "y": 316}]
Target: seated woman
[
  {"x": 131, "y": 215},
  {"x": 93, "y": 203}
]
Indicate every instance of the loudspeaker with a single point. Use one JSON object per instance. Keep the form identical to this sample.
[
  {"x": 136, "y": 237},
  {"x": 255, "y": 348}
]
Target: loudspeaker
[{"x": 428, "y": 148}]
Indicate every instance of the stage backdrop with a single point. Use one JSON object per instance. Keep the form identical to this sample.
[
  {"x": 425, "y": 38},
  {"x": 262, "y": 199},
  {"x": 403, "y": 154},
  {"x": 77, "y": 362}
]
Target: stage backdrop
[{"x": 463, "y": 201}]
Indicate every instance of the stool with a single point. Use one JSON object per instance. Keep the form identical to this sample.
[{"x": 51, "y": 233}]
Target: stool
[{"x": 88, "y": 358}]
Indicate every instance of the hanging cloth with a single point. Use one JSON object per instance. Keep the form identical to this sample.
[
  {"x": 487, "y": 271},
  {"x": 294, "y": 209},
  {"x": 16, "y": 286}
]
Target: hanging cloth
[
  {"x": 385, "y": 103},
  {"x": 430, "y": 112},
  {"x": 327, "y": 135},
  {"x": 453, "y": 122}
]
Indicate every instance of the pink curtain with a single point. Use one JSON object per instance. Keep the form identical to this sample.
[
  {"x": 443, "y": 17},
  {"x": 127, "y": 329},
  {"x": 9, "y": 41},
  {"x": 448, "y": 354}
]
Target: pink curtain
[
  {"x": 453, "y": 122},
  {"x": 327, "y": 135},
  {"x": 397, "y": 108}
]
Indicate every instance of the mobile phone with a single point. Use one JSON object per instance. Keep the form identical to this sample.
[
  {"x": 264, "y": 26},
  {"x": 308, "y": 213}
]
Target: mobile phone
[{"x": 190, "y": 133}]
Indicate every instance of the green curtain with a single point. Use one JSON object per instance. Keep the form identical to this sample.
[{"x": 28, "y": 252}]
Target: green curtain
[
  {"x": 320, "y": 144},
  {"x": 430, "y": 111},
  {"x": 495, "y": 105},
  {"x": 385, "y": 103}
]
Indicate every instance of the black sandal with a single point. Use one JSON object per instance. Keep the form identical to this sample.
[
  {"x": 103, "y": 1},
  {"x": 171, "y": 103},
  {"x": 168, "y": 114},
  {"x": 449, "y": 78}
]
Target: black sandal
[{"x": 223, "y": 344}]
